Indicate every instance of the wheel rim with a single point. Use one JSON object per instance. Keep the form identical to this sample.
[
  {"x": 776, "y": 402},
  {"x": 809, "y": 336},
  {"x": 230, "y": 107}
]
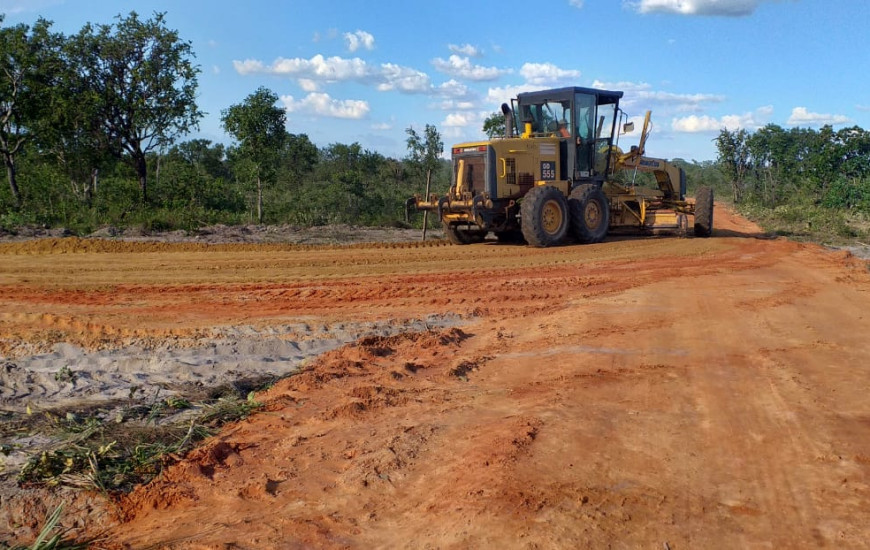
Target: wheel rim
[
  {"x": 551, "y": 217},
  {"x": 592, "y": 215}
]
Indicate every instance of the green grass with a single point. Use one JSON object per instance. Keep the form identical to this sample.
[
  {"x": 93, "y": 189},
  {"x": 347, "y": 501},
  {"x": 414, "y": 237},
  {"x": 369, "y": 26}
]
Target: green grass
[
  {"x": 804, "y": 221},
  {"x": 115, "y": 452}
]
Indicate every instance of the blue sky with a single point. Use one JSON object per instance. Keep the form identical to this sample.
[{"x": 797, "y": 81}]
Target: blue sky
[{"x": 365, "y": 71}]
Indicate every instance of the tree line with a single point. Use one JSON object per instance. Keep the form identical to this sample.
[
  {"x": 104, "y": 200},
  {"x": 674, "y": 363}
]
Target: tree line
[
  {"x": 773, "y": 166},
  {"x": 91, "y": 129}
]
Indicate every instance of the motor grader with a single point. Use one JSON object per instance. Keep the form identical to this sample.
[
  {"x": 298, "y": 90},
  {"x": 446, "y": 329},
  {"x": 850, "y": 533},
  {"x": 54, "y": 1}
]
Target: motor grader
[{"x": 558, "y": 170}]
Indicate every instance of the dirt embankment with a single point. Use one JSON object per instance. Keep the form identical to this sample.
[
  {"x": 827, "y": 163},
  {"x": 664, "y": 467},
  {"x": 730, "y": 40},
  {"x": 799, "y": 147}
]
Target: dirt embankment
[{"x": 698, "y": 393}]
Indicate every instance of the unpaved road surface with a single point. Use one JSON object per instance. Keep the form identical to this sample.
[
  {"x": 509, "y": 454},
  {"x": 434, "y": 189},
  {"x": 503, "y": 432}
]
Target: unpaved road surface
[{"x": 640, "y": 393}]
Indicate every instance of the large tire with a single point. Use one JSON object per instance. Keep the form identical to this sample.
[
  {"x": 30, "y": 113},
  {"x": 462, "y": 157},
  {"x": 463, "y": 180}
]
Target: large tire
[
  {"x": 703, "y": 212},
  {"x": 544, "y": 215},
  {"x": 456, "y": 235},
  {"x": 590, "y": 213}
]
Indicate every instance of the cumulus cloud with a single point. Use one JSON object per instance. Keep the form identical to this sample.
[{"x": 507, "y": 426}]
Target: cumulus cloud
[
  {"x": 312, "y": 73},
  {"x": 453, "y": 105},
  {"x": 800, "y": 116},
  {"x": 403, "y": 79},
  {"x": 681, "y": 101},
  {"x": 623, "y": 85},
  {"x": 322, "y": 104},
  {"x": 359, "y": 39},
  {"x": 458, "y": 119},
  {"x": 308, "y": 85},
  {"x": 733, "y": 8},
  {"x": 318, "y": 68},
  {"x": 546, "y": 74},
  {"x": 697, "y": 124},
  {"x": 461, "y": 67},
  {"x": 15, "y": 7},
  {"x": 504, "y": 94},
  {"x": 465, "y": 49}
]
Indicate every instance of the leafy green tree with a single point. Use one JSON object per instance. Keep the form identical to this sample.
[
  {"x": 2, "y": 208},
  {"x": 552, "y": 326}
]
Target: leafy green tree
[
  {"x": 142, "y": 76},
  {"x": 494, "y": 125},
  {"x": 258, "y": 125},
  {"x": 26, "y": 63},
  {"x": 734, "y": 159},
  {"x": 195, "y": 174},
  {"x": 424, "y": 151},
  {"x": 70, "y": 131},
  {"x": 298, "y": 158},
  {"x": 423, "y": 154}
]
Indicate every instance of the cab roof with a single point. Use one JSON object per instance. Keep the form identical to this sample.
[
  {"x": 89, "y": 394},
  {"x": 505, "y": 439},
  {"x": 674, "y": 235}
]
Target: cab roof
[{"x": 556, "y": 94}]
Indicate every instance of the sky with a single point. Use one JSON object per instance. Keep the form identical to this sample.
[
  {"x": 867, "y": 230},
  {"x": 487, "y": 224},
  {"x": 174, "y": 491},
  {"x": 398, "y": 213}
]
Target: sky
[{"x": 366, "y": 70}]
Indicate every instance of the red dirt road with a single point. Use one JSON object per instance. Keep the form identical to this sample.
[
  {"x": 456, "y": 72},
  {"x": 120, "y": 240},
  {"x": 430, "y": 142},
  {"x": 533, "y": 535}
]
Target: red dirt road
[{"x": 699, "y": 393}]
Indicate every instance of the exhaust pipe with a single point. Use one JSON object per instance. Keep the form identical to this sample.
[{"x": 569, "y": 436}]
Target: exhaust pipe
[{"x": 508, "y": 120}]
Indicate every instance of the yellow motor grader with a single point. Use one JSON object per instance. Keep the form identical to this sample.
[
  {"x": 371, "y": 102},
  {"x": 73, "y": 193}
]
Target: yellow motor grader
[{"x": 559, "y": 170}]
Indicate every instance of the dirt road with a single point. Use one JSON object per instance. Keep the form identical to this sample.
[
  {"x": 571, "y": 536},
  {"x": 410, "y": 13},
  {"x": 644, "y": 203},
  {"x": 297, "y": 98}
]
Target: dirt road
[{"x": 699, "y": 393}]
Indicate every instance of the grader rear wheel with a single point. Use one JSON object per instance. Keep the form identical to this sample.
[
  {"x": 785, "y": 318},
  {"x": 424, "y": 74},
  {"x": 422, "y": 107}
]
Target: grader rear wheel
[
  {"x": 590, "y": 213},
  {"x": 544, "y": 215},
  {"x": 703, "y": 212}
]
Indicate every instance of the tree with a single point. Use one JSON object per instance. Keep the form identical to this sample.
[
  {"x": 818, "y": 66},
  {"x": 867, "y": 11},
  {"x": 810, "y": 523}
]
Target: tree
[
  {"x": 259, "y": 127},
  {"x": 145, "y": 80},
  {"x": 25, "y": 65},
  {"x": 734, "y": 158},
  {"x": 423, "y": 154},
  {"x": 70, "y": 130},
  {"x": 494, "y": 125},
  {"x": 298, "y": 158}
]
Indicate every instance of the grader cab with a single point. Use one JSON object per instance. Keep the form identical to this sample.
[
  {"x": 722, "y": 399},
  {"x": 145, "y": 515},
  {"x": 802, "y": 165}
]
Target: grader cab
[{"x": 555, "y": 173}]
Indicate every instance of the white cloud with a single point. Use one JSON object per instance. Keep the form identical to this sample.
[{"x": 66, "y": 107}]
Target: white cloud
[
  {"x": 359, "y": 39},
  {"x": 864, "y": 108},
  {"x": 697, "y": 124},
  {"x": 461, "y": 67},
  {"x": 382, "y": 126},
  {"x": 801, "y": 116},
  {"x": 497, "y": 96},
  {"x": 312, "y": 73},
  {"x": 545, "y": 74},
  {"x": 332, "y": 69},
  {"x": 453, "y": 89},
  {"x": 465, "y": 49},
  {"x": 576, "y": 3},
  {"x": 403, "y": 79},
  {"x": 623, "y": 85},
  {"x": 453, "y": 105},
  {"x": 323, "y": 105},
  {"x": 681, "y": 100},
  {"x": 308, "y": 85},
  {"x": 734, "y": 8},
  {"x": 14, "y": 7},
  {"x": 461, "y": 120},
  {"x": 215, "y": 69},
  {"x": 694, "y": 124}
]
